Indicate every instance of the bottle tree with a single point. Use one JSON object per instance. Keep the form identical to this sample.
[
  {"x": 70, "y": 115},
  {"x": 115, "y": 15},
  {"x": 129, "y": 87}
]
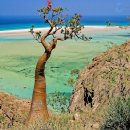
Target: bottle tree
[{"x": 61, "y": 28}]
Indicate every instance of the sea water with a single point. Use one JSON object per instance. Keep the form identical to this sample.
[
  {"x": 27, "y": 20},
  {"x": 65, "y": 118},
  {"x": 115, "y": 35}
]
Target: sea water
[
  {"x": 24, "y": 22},
  {"x": 17, "y": 66}
]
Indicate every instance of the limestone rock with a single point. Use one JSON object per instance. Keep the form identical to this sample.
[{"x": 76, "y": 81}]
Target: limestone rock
[
  {"x": 76, "y": 116},
  {"x": 95, "y": 126}
]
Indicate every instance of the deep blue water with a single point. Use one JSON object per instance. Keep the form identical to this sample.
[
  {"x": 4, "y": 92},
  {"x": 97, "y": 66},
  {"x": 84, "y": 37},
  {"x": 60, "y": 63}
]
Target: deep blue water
[{"x": 24, "y": 22}]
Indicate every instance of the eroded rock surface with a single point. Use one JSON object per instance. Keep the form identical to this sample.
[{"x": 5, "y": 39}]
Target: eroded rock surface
[{"x": 108, "y": 76}]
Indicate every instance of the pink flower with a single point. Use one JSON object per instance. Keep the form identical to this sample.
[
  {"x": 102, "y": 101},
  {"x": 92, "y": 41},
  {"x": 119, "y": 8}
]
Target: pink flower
[
  {"x": 62, "y": 19},
  {"x": 49, "y": 6},
  {"x": 78, "y": 22}
]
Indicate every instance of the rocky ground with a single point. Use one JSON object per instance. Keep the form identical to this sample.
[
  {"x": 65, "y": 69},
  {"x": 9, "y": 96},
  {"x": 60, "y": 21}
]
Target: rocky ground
[
  {"x": 12, "y": 110},
  {"x": 108, "y": 76}
]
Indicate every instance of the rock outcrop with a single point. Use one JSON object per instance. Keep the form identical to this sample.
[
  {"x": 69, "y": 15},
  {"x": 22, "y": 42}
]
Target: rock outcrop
[{"x": 108, "y": 76}]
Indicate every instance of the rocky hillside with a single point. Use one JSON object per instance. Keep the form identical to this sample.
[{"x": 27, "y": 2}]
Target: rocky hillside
[
  {"x": 108, "y": 76},
  {"x": 12, "y": 110}
]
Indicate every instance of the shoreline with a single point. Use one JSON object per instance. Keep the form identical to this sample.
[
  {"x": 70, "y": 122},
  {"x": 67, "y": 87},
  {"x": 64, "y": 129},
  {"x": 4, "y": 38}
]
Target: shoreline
[
  {"x": 22, "y": 30},
  {"x": 88, "y": 30},
  {"x": 44, "y": 28}
]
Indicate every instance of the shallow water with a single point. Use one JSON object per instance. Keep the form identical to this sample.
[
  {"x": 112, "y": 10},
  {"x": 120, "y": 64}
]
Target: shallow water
[{"x": 18, "y": 57}]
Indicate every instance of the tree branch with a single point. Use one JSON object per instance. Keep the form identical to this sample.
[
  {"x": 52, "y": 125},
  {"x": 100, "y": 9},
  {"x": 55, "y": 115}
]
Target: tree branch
[
  {"x": 45, "y": 45},
  {"x": 54, "y": 42},
  {"x": 48, "y": 32},
  {"x": 56, "y": 29},
  {"x": 82, "y": 37}
]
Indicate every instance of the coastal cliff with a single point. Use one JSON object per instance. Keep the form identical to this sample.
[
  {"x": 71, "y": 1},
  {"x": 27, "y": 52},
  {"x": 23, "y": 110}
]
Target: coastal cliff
[{"x": 107, "y": 77}]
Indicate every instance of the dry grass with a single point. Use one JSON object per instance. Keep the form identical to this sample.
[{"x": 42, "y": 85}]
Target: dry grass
[{"x": 64, "y": 121}]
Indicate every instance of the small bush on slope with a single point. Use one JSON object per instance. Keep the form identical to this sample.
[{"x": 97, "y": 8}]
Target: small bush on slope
[{"x": 118, "y": 115}]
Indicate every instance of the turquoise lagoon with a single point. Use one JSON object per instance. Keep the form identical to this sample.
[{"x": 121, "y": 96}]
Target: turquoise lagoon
[{"x": 19, "y": 55}]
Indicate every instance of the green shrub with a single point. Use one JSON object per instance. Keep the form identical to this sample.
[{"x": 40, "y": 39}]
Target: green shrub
[
  {"x": 71, "y": 82},
  {"x": 73, "y": 77},
  {"x": 117, "y": 116},
  {"x": 75, "y": 72},
  {"x": 58, "y": 101},
  {"x": 2, "y": 118}
]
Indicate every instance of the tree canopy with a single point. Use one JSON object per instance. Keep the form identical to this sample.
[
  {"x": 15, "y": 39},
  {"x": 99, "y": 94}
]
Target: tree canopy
[{"x": 59, "y": 21}]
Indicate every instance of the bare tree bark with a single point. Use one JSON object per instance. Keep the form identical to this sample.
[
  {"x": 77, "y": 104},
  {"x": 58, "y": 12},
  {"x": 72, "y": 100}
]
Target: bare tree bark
[
  {"x": 38, "y": 105},
  {"x": 39, "y": 110}
]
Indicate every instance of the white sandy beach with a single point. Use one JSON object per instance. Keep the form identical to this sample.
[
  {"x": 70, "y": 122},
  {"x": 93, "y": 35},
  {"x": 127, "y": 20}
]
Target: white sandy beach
[{"x": 91, "y": 29}]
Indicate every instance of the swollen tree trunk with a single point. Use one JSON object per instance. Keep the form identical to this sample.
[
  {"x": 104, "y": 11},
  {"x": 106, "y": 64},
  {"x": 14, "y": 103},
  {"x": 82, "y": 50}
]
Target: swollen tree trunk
[{"x": 39, "y": 110}]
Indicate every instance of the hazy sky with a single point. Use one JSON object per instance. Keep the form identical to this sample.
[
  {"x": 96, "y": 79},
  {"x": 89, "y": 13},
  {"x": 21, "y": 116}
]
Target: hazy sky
[{"x": 85, "y": 7}]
